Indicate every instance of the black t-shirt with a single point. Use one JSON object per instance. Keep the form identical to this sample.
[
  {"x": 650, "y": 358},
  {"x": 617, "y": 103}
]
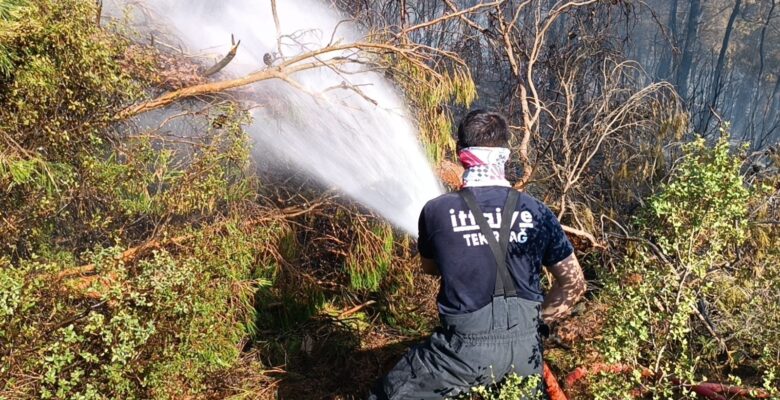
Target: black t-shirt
[{"x": 450, "y": 236}]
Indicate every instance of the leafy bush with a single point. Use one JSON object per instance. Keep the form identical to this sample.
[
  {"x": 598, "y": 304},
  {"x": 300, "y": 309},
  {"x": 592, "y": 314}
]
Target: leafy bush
[
  {"x": 675, "y": 299},
  {"x": 369, "y": 259},
  {"x": 129, "y": 260},
  {"x": 172, "y": 318},
  {"x": 62, "y": 82},
  {"x": 512, "y": 387}
]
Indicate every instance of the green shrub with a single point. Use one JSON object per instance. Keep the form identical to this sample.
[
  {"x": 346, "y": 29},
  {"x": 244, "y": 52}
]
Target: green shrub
[
  {"x": 369, "y": 260},
  {"x": 672, "y": 305},
  {"x": 128, "y": 262},
  {"x": 512, "y": 387},
  {"x": 62, "y": 83},
  {"x": 158, "y": 329}
]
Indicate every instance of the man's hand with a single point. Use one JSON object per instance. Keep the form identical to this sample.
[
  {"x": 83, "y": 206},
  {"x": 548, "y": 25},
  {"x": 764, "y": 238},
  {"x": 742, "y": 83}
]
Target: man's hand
[
  {"x": 429, "y": 266},
  {"x": 568, "y": 288}
]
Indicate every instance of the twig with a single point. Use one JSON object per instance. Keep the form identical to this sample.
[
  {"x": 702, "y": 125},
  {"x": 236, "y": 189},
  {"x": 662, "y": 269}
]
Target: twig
[
  {"x": 77, "y": 317},
  {"x": 224, "y": 61},
  {"x": 355, "y": 309},
  {"x": 347, "y": 86},
  {"x": 99, "y": 12},
  {"x": 449, "y": 16},
  {"x": 278, "y": 28},
  {"x": 721, "y": 342},
  {"x": 583, "y": 234},
  {"x": 463, "y": 18},
  {"x": 656, "y": 250}
]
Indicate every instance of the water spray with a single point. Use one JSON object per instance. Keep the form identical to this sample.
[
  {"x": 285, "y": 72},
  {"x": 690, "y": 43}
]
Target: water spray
[{"x": 349, "y": 128}]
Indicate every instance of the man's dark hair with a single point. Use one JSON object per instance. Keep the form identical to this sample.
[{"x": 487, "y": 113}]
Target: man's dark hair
[{"x": 484, "y": 129}]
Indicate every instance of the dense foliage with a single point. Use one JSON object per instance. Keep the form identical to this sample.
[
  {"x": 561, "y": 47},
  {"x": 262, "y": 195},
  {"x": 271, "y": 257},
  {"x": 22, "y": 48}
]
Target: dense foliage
[
  {"x": 93, "y": 302},
  {"x": 686, "y": 292}
]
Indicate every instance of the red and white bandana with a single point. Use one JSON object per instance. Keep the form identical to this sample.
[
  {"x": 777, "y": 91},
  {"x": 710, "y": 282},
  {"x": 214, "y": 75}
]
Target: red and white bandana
[{"x": 484, "y": 166}]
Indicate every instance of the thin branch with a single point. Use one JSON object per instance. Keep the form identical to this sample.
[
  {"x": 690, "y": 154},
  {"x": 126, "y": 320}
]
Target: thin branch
[
  {"x": 583, "y": 234},
  {"x": 355, "y": 309},
  {"x": 224, "y": 61},
  {"x": 449, "y": 16},
  {"x": 463, "y": 17},
  {"x": 278, "y": 28},
  {"x": 282, "y": 72}
]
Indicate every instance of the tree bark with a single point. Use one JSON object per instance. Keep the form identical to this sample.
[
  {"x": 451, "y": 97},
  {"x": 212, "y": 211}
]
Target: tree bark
[
  {"x": 770, "y": 114},
  {"x": 667, "y": 58},
  {"x": 221, "y": 64},
  {"x": 715, "y": 85},
  {"x": 403, "y": 14},
  {"x": 691, "y": 37},
  {"x": 752, "y": 134}
]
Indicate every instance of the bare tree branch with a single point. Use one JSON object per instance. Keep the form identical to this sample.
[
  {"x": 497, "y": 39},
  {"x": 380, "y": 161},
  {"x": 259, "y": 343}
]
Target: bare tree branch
[{"x": 224, "y": 61}]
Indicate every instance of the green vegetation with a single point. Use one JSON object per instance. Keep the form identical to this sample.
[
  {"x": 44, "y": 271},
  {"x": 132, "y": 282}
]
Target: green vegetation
[
  {"x": 683, "y": 307},
  {"x": 512, "y": 387},
  {"x": 95, "y": 303},
  {"x": 368, "y": 262},
  {"x": 427, "y": 91}
]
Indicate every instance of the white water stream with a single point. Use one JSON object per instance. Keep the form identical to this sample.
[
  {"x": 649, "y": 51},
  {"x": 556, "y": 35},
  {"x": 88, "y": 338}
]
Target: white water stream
[{"x": 363, "y": 144}]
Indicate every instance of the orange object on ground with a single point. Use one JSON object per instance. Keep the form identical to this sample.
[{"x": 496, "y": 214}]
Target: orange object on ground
[
  {"x": 554, "y": 390},
  {"x": 708, "y": 390},
  {"x": 596, "y": 368}
]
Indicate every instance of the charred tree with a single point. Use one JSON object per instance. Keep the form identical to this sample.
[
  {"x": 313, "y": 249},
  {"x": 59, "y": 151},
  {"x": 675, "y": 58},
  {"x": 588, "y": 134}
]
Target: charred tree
[
  {"x": 666, "y": 65},
  {"x": 691, "y": 37},
  {"x": 752, "y": 127},
  {"x": 715, "y": 85}
]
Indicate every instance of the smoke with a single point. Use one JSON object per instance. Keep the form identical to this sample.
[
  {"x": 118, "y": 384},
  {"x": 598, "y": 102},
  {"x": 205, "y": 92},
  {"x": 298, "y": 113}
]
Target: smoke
[{"x": 349, "y": 130}]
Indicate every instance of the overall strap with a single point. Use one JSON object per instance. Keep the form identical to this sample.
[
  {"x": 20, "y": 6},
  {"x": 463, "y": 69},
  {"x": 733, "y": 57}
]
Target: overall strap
[{"x": 505, "y": 286}]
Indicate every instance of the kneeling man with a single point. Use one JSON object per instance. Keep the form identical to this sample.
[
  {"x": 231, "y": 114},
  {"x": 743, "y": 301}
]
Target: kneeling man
[{"x": 488, "y": 243}]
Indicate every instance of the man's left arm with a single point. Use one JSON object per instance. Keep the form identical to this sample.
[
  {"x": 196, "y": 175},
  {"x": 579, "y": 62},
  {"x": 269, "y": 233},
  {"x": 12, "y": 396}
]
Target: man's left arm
[{"x": 567, "y": 290}]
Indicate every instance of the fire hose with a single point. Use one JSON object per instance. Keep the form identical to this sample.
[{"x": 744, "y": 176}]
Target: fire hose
[{"x": 706, "y": 390}]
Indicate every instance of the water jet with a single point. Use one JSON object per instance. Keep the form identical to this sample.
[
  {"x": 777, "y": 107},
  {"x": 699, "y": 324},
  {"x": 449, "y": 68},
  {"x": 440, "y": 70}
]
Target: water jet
[{"x": 348, "y": 127}]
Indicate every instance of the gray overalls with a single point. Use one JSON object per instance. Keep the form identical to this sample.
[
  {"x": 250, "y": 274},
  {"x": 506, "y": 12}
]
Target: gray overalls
[{"x": 476, "y": 348}]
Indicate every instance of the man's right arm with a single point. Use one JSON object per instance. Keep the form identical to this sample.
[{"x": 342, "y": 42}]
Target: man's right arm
[
  {"x": 429, "y": 266},
  {"x": 568, "y": 288},
  {"x": 425, "y": 247}
]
